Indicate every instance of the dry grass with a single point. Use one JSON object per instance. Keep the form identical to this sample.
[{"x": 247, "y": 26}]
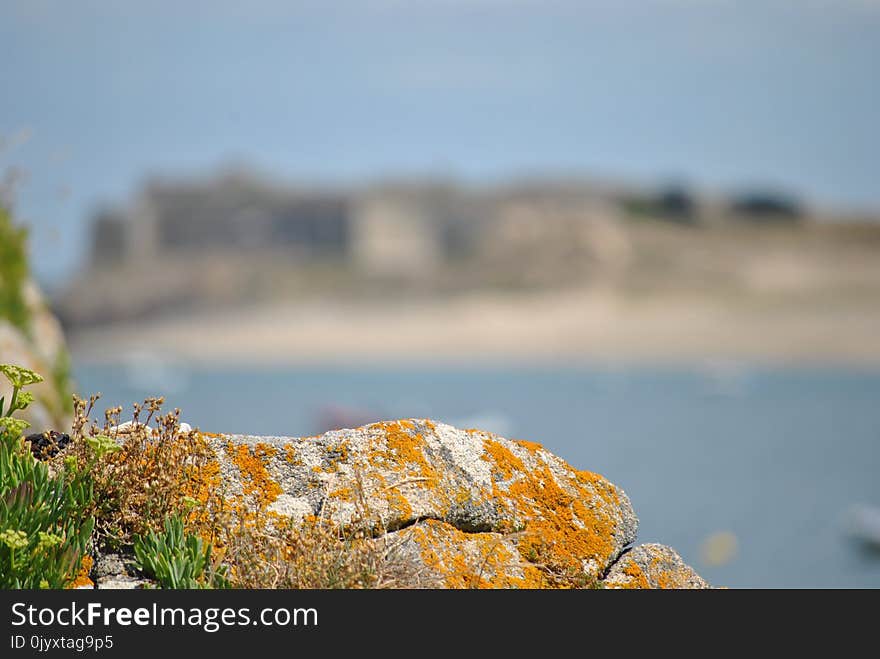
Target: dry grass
[
  {"x": 312, "y": 555},
  {"x": 138, "y": 486}
]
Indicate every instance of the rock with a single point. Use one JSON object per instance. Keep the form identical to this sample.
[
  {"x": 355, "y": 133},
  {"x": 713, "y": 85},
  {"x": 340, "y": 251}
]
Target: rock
[
  {"x": 447, "y": 557},
  {"x": 16, "y": 349},
  {"x": 109, "y": 565},
  {"x": 41, "y": 349},
  {"x": 469, "y": 507},
  {"x": 129, "y": 427},
  {"x": 652, "y": 566},
  {"x": 45, "y": 445},
  {"x": 45, "y": 329},
  {"x": 123, "y": 582},
  {"x": 116, "y": 571}
]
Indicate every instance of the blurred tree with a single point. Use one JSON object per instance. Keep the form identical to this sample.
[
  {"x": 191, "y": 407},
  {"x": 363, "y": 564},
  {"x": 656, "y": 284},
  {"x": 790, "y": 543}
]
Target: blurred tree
[
  {"x": 13, "y": 272},
  {"x": 673, "y": 204},
  {"x": 765, "y": 206}
]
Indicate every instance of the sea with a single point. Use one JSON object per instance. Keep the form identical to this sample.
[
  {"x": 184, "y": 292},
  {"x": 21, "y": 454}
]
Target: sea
[{"x": 757, "y": 476}]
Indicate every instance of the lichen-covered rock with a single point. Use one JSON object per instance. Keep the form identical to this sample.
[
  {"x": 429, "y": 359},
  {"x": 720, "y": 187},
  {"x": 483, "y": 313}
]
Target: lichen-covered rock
[
  {"x": 450, "y": 558},
  {"x": 652, "y": 566},
  {"x": 474, "y": 508}
]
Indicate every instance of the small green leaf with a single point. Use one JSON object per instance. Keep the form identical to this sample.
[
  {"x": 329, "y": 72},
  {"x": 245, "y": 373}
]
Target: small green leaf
[
  {"x": 24, "y": 399},
  {"x": 102, "y": 445}
]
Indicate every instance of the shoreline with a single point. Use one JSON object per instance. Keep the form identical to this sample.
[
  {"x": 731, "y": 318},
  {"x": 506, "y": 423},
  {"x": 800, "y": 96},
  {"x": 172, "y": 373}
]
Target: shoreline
[{"x": 577, "y": 327}]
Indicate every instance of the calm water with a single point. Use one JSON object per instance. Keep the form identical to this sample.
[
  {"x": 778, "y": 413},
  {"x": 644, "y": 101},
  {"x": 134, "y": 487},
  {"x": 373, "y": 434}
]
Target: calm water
[{"x": 775, "y": 457}]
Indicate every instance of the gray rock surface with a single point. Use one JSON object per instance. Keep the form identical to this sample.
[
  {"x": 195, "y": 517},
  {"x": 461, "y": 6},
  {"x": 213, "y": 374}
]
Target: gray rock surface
[
  {"x": 109, "y": 565},
  {"x": 123, "y": 582},
  {"x": 116, "y": 571},
  {"x": 653, "y": 566}
]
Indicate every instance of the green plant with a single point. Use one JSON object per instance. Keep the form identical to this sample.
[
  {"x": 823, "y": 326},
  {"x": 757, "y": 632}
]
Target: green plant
[
  {"x": 19, "y": 378},
  {"x": 177, "y": 559},
  {"x": 13, "y": 272},
  {"x": 44, "y": 523}
]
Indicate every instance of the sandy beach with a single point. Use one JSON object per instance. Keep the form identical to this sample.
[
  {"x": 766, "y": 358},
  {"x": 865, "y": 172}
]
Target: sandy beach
[{"x": 582, "y": 325}]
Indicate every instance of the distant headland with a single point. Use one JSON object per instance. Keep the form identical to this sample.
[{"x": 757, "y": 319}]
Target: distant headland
[{"x": 533, "y": 269}]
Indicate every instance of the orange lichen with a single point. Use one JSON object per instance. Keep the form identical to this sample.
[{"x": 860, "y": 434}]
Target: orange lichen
[
  {"x": 637, "y": 578},
  {"x": 82, "y": 579},
  {"x": 204, "y": 487},
  {"x": 461, "y": 495},
  {"x": 666, "y": 575},
  {"x": 255, "y": 478},
  {"x": 597, "y": 482},
  {"x": 668, "y": 581},
  {"x": 561, "y": 532},
  {"x": 342, "y": 493},
  {"x": 503, "y": 460},
  {"x": 530, "y": 446},
  {"x": 397, "y": 503},
  {"x": 661, "y": 572},
  {"x": 470, "y": 560},
  {"x": 338, "y": 453},
  {"x": 290, "y": 454},
  {"x": 203, "y": 480},
  {"x": 403, "y": 448}
]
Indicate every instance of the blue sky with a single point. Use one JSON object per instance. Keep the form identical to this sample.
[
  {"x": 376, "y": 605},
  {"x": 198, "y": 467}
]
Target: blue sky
[{"x": 723, "y": 94}]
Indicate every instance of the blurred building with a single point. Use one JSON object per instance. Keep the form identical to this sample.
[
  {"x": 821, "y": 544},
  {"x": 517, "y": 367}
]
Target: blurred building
[
  {"x": 238, "y": 238},
  {"x": 229, "y": 214},
  {"x": 405, "y": 229}
]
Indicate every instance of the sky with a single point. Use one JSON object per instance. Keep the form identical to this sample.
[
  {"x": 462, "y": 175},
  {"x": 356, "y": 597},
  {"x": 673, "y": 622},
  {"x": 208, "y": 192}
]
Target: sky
[{"x": 722, "y": 94}]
